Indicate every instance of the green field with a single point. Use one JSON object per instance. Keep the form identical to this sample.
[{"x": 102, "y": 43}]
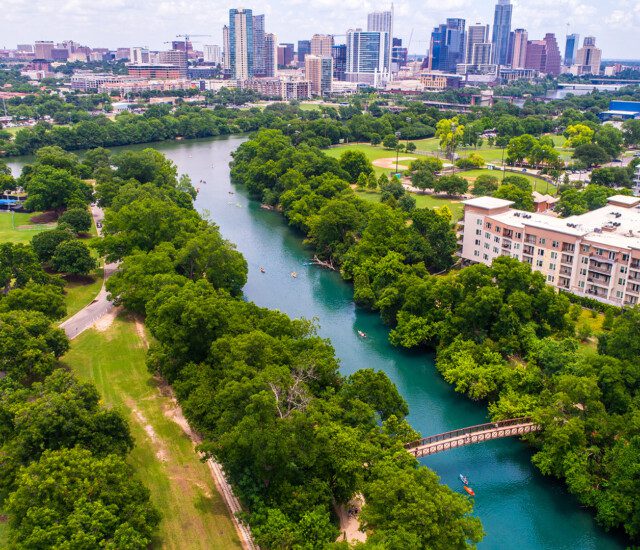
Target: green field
[
  {"x": 78, "y": 294},
  {"x": 16, "y": 227},
  {"x": 372, "y": 153},
  {"x": 193, "y": 514},
  {"x": 539, "y": 185},
  {"x": 422, "y": 201}
]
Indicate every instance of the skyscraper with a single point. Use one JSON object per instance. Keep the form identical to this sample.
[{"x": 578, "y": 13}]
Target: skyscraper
[
  {"x": 319, "y": 72},
  {"x": 258, "y": 45},
  {"x": 501, "y": 32},
  {"x": 43, "y": 49},
  {"x": 321, "y": 44},
  {"x": 139, "y": 55},
  {"x": 477, "y": 34},
  {"x": 553, "y": 62},
  {"x": 304, "y": 49},
  {"x": 339, "y": 54},
  {"x": 366, "y": 56},
  {"x": 447, "y": 46},
  {"x": 520, "y": 39},
  {"x": 177, "y": 58},
  {"x": 285, "y": 54},
  {"x": 382, "y": 21},
  {"x": 212, "y": 54},
  {"x": 589, "y": 58},
  {"x": 270, "y": 55},
  {"x": 571, "y": 49},
  {"x": 226, "y": 47},
  {"x": 241, "y": 43}
]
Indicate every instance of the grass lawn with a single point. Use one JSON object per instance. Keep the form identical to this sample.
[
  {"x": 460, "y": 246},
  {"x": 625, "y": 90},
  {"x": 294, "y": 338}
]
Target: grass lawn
[
  {"x": 16, "y": 227},
  {"x": 193, "y": 514},
  {"x": 372, "y": 153},
  {"x": 81, "y": 293},
  {"x": 539, "y": 185},
  {"x": 422, "y": 201}
]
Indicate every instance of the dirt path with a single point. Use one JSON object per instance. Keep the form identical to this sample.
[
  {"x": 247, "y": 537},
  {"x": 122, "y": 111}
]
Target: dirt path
[
  {"x": 349, "y": 521},
  {"x": 174, "y": 413}
]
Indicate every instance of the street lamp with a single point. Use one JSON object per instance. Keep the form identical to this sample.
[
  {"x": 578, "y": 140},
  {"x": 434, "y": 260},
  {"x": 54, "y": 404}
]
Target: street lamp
[{"x": 398, "y": 134}]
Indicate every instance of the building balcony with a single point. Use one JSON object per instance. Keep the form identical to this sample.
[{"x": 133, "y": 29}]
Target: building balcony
[
  {"x": 635, "y": 289},
  {"x": 596, "y": 292},
  {"x": 566, "y": 247},
  {"x": 528, "y": 250},
  {"x": 507, "y": 245},
  {"x": 508, "y": 234},
  {"x": 604, "y": 269},
  {"x": 566, "y": 259},
  {"x": 565, "y": 271},
  {"x": 635, "y": 264},
  {"x": 530, "y": 239}
]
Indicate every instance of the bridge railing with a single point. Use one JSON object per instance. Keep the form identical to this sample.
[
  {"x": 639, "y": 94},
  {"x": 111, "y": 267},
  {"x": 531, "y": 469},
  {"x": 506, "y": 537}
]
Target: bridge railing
[{"x": 467, "y": 431}]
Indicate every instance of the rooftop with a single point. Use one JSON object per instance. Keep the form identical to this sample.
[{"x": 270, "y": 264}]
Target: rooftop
[{"x": 487, "y": 203}]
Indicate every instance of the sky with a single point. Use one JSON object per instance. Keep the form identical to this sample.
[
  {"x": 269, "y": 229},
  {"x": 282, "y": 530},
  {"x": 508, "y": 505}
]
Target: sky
[{"x": 119, "y": 23}]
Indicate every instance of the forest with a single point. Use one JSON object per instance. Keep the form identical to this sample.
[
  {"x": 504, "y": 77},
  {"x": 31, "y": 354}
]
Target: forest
[{"x": 501, "y": 335}]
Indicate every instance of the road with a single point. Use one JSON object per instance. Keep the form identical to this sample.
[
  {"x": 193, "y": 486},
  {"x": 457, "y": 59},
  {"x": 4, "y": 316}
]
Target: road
[{"x": 89, "y": 315}]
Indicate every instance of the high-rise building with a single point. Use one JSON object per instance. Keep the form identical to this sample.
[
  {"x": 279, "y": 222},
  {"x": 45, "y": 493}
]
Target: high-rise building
[
  {"x": 139, "y": 55},
  {"x": 212, "y": 54},
  {"x": 43, "y": 49},
  {"x": 304, "y": 49},
  {"x": 177, "y": 58},
  {"x": 553, "y": 64},
  {"x": 399, "y": 55},
  {"x": 571, "y": 48},
  {"x": 241, "y": 43},
  {"x": 447, "y": 46},
  {"x": 321, "y": 44},
  {"x": 270, "y": 54},
  {"x": 520, "y": 39},
  {"x": 285, "y": 55},
  {"x": 27, "y": 48},
  {"x": 476, "y": 34},
  {"x": 366, "y": 56},
  {"x": 258, "y": 45},
  {"x": 544, "y": 55},
  {"x": 226, "y": 53},
  {"x": 589, "y": 58},
  {"x": 319, "y": 73},
  {"x": 339, "y": 54},
  {"x": 382, "y": 21},
  {"x": 501, "y": 32}
]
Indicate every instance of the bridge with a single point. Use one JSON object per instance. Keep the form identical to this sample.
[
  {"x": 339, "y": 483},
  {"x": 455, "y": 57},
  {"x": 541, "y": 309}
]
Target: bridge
[{"x": 469, "y": 436}]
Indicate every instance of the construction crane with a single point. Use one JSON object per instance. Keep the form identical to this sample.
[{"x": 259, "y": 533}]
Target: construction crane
[{"x": 187, "y": 38}]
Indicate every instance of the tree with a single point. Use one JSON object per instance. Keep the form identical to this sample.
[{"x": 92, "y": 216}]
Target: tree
[
  {"x": 78, "y": 218},
  {"x": 362, "y": 181},
  {"x": 390, "y": 141},
  {"x": 146, "y": 166},
  {"x": 473, "y": 161},
  {"x": 47, "y": 299},
  {"x": 74, "y": 258},
  {"x": 355, "y": 163},
  {"x": 375, "y": 139},
  {"x": 451, "y": 134},
  {"x": 485, "y": 185},
  {"x": 452, "y": 185},
  {"x": 18, "y": 266},
  {"x": 612, "y": 176},
  {"x": 411, "y": 147},
  {"x": 631, "y": 132},
  {"x": 45, "y": 243},
  {"x": 423, "y": 179},
  {"x": 591, "y": 154},
  {"x": 52, "y": 188},
  {"x": 610, "y": 139},
  {"x": 439, "y": 242},
  {"x": 520, "y": 148},
  {"x": 523, "y": 200},
  {"x": 578, "y": 134},
  {"x": 69, "y": 498}
]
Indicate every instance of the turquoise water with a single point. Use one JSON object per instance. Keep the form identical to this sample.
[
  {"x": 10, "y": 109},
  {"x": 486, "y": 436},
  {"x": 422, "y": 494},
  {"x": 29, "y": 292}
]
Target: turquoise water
[{"x": 518, "y": 507}]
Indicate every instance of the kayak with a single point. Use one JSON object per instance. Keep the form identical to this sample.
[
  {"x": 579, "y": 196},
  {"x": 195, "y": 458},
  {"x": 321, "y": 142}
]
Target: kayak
[
  {"x": 464, "y": 480},
  {"x": 470, "y": 491},
  {"x": 361, "y": 334}
]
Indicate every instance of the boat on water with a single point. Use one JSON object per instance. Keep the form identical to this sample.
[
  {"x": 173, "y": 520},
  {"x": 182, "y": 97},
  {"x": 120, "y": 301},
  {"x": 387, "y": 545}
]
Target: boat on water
[
  {"x": 294, "y": 275},
  {"x": 362, "y": 334},
  {"x": 263, "y": 270},
  {"x": 469, "y": 490},
  {"x": 464, "y": 479}
]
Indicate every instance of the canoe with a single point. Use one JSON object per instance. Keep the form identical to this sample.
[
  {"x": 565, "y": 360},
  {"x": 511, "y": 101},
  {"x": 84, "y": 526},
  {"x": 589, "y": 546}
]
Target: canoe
[{"x": 470, "y": 491}]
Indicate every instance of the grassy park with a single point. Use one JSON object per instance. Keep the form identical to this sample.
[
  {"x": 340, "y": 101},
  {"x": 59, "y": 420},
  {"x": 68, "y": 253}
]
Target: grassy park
[
  {"x": 16, "y": 227},
  {"x": 422, "y": 201},
  {"x": 193, "y": 513}
]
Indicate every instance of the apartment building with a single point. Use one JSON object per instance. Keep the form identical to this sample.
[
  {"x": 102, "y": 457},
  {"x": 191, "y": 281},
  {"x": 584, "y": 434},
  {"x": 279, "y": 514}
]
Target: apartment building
[{"x": 596, "y": 254}]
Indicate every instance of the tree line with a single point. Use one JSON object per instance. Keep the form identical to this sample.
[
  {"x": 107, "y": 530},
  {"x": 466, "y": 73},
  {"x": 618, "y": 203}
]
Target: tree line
[
  {"x": 64, "y": 477},
  {"x": 501, "y": 335}
]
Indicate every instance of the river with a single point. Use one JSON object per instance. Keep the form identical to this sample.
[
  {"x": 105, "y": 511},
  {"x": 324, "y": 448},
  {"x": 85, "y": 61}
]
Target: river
[{"x": 519, "y": 508}]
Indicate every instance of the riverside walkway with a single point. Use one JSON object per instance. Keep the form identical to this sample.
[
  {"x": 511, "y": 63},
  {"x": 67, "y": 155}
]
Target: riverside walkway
[{"x": 469, "y": 436}]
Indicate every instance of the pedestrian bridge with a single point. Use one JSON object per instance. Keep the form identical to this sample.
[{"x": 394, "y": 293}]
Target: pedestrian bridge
[{"x": 469, "y": 436}]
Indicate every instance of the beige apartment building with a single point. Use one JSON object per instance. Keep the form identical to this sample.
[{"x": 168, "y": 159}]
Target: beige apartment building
[{"x": 596, "y": 254}]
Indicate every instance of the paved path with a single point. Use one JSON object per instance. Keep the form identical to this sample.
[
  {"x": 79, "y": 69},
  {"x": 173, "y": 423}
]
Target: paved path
[{"x": 101, "y": 306}]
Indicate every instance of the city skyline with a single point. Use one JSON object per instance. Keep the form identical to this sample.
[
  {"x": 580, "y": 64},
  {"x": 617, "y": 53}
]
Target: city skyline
[{"x": 122, "y": 23}]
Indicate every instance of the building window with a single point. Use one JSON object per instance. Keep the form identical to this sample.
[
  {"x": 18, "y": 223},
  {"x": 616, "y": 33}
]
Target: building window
[
  {"x": 554, "y": 255},
  {"x": 625, "y": 257},
  {"x": 585, "y": 260},
  {"x": 543, "y": 240},
  {"x": 581, "y": 284},
  {"x": 496, "y": 239},
  {"x": 541, "y": 252},
  {"x": 550, "y": 278},
  {"x": 485, "y": 256},
  {"x": 516, "y": 246},
  {"x": 539, "y": 263},
  {"x": 477, "y": 242},
  {"x": 487, "y": 235},
  {"x": 623, "y": 270},
  {"x": 495, "y": 250},
  {"x": 621, "y": 282},
  {"x": 612, "y": 255},
  {"x": 476, "y": 253},
  {"x": 583, "y": 272},
  {"x": 619, "y": 294},
  {"x": 497, "y": 229},
  {"x": 479, "y": 221},
  {"x": 555, "y": 244},
  {"x": 585, "y": 248},
  {"x": 488, "y": 225},
  {"x": 486, "y": 245},
  {"x": 552, "y": 267},
  {"x": 478, "y": 232}
]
